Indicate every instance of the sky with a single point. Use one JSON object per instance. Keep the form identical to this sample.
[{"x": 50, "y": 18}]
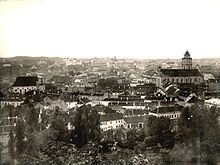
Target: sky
[{"x": 144, "y": 29}]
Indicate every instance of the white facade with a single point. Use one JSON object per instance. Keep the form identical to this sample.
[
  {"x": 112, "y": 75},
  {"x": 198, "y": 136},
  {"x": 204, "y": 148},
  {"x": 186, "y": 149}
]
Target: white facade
[
  {"x": 23, "y": 89},
  {"x": 14, "y": 103},
  {"x": 189, "y": 80},
  {"x": 170, "y": 115},
  {"x": 112, "y": 124},
  {"x": 212, "y": 102},
  {"x": 71, "y": 105},
  {"x": 134, "y": 107}
]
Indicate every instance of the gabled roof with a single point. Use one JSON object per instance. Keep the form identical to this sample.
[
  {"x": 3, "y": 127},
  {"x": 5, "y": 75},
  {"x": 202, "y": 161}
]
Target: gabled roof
[
  {"x": 26, "y": 81},
  {"x": 181, "y": 72},
  {"x": 111, "y": 117}
]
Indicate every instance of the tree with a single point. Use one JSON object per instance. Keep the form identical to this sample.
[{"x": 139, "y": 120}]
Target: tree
[
  {"x": 160, "y": 131},
  {"x": 11, "y": 145},
  {"x": 81, "y": 126},
  {"x": 87, "y": 126},
  {"x": 33, "y": 118},
  {"x": 59, "y": 125},
  {"x": 1, "y": 148},
  {"x": 20, "y": 136},
  {"x": 94, "y": 125},
  {"x": 198, "y": 127}
]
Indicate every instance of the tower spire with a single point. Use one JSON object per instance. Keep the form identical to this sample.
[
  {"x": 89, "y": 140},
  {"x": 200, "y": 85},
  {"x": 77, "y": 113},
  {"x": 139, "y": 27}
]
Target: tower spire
[{"x": 187, "y": 61}]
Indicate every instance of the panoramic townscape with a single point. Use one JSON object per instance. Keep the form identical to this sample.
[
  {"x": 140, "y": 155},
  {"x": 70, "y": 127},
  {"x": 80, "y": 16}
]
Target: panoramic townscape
[{"x": 110, "y": 110}]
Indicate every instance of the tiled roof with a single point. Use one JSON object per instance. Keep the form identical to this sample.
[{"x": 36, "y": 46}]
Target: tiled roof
[
  {"x": 167, "y": 109},
  {"x": 26, "y": 81},
  {"x": 181, "y": 72},
  {"x": 111, "y": 117},
  {"x": 135, "y": 112},
  {"x": 135, "y": 119}
]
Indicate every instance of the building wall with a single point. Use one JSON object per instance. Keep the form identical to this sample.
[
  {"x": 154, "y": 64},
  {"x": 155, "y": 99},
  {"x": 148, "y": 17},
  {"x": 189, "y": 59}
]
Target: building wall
[
  {"x": 186, "y": 63},
  {"x": 111, "y": 125},
  {"x": 170, "y": 115},
  {"x": 194, "y": 80},
  {"x": 13, "y": 103},
  {"x": 24, "y": 89},
  {"x": 134, "y": 125},
  {"x": 4, "y": 138}
]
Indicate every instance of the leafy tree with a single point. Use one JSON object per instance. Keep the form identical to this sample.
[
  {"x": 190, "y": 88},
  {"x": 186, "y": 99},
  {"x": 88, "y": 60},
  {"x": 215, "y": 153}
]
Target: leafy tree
[
  {"x": 59, "y": 125},
  {"x": 31, "y": 144},
  {"x": 160, "y": 131},
  {"x": 11, "y": 145},
  {"x": 94, "y": 125},
  {"x": 1, "y": 148},
  {"x": 81, "y": 126},
  {"x": 20, "y": 136},
  {"x": 33, "y": 118},
  {"x": 198, "y": 127},
  {"x": 87, "y": 126}
]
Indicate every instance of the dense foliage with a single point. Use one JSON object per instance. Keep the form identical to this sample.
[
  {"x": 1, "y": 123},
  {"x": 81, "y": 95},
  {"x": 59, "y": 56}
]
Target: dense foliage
[{"x": 194, "y": 137}]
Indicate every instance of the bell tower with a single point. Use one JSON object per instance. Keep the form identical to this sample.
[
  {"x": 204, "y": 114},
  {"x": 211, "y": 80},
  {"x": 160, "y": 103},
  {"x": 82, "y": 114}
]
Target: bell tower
[{"x": 187, "y": 61}]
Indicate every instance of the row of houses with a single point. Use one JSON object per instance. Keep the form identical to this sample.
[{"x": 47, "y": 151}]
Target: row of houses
[{"x": 137, "y": 118}]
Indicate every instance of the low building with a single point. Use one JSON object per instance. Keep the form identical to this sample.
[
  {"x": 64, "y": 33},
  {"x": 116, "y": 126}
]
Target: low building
[
  {"x": 209, "y": 78},
  {"x": 10, "y": 101},
  {"x": 111, "y": 121},
  {"x": 213, "y": 102},
  {"x": 7, "y": 124},
  {"x": 171, "y": 112},
  {"x": 135, "y": 122}
]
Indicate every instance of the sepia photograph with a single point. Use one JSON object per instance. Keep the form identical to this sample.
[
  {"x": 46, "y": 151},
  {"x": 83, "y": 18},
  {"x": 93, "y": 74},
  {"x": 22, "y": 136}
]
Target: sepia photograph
[{"x": 99, "y": 82}]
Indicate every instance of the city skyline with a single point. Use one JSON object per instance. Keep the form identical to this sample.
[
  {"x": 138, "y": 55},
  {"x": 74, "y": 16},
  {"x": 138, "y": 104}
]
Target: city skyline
[{"x": 125, "y": 29}]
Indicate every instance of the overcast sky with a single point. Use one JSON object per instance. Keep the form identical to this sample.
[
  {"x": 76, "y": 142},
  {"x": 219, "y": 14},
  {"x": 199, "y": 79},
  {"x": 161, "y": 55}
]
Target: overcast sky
[{"x": 107, "y": 28}]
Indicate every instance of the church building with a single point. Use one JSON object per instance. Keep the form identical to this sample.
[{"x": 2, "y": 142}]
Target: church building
[{"x": 186, "y": 75}]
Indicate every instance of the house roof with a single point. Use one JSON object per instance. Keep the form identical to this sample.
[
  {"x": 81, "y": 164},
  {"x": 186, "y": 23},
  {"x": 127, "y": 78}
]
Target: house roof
[
  {"x": 181, "y": 72},
  {"x": 208, "y": 76},
  {"x": 167, "y": 109},
  {"x": 26, "y": 81},
  {"x": 135, "y": 119},
  {"x": 111, "y": 117},
  {"x": 135, "y": 112}
]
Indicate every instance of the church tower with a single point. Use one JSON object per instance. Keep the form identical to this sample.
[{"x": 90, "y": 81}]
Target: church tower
[{"x": 187, "y": 61}]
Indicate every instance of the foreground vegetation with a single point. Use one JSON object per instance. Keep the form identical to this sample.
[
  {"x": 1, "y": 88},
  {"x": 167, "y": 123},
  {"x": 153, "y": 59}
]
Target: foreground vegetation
[{"x": 193, "y": 138}]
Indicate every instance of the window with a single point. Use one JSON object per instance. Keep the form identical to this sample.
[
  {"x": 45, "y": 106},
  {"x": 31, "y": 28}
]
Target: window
[{"x": 172, "y": 79}]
